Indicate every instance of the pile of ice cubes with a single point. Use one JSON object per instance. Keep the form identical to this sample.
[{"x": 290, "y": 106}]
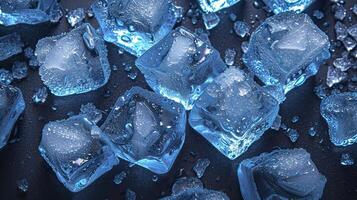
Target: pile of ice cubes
[{"x": 187, "y": 75}]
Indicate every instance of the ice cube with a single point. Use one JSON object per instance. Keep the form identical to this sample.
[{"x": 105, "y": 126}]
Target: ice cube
[
  {"x": 135, "y": 26},
  {"x": 146, "y": 129},
  {"x": 192, "y": 188},
  {"x": 73, "y": 63},
  {"x": 210, "y": 20},
  {"x": 340, "y": 113},
  {"x": 279, "y": 6},
  {"x": 10, "y": 45},
  {"x": 286, "y": 50},
  {"x": 241, "y": 28},
  {"x": 29, "y": 11},
  {"x": 281, "y": 174},
  {"x": 180, "y": 66},
  {"x": 76, "y": 16},
  {"x": 11, "y": 106},
  {"x": 233, "y": 112},
  {"x": 216, "y": 5},
  {"x": 76, "y": 150}
]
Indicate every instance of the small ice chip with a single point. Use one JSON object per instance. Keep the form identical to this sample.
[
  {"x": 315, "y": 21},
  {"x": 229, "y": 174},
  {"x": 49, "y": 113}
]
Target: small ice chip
[
  {"x": 40, "y": 95},
  {"x": 19, "y": 70},
  {"x": 201, "y": 166},
  {"x": 118, "y": 179},
  {"x": 76, "y": 16},
  {"x": 6, "y": 77},
  {"x": 241, "y": 28},
  {"x": 10, "y": 45},
  {"x": 210, "y": 20},
  {"x": 346, "y": 159}
]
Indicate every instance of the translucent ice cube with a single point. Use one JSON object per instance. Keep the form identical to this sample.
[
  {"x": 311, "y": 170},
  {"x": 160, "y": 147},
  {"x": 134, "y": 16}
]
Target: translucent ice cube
[
  {"x": 279, "y": 6},
  {"x": 11, "y": 106},
  {"x": 216, "y": 5},
  {"x": 287, "y": 49},
  {"x": 29, "y": 11},
  {"x": 75, "y": 149},
  {"x": 233, "y": 112},
  {"x": 10, "y": 45},
  {"x": 135, "y": 26},
  {"x": 180, "y": 66},
  {"x": 281, "y": 174},
  {"x": 340, "y": 113},
  {"x": 146, "y": 129},
  {"x": 73, "y": 63}
]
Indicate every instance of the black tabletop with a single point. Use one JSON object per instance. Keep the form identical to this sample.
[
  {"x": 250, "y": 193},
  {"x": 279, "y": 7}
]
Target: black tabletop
[{"x": 22, "y": 159}]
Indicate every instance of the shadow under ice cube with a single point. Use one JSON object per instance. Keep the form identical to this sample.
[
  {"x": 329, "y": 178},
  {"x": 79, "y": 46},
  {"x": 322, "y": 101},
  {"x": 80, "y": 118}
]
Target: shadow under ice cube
[
  {"x": 233, "y": 112},
  {"x": 216, "y": 5},
  {"x": 340, "y": 113},
  {"x": 74, "y": 62},
  {"x": 11, "y": 106},
  {"x": 75, "y": 149},
  {"x": 146, "y": 129},
  {"x": 180, "y": 66},
  {"x": 281, "y": 174},
  {"x": 135, "y": 25},
  {"x": 29, "y": 11},
  {"x": 287, "y": 49},
  {"x": 278, "y": 6}
]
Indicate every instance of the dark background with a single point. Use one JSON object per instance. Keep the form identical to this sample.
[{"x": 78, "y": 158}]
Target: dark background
[{"x": 22, "y": 159}]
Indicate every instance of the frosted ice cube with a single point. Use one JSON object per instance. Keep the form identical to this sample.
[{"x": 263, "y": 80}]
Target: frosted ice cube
[
  {"x": 73, "y": 63},
  {"x": 180, "y": 66},
  {"x": 286, "y": 50},
  {"x": 279, "y": 6},
  {"x": 76, "y": 150},
  {"x": 11, "y": 106},
  {"x": 281, "y": 174},
  {"x": 340, "y": 113},
  {"x": 29, "y": 11},
  {"x": 146, "y": 129},
  {"x": 135, "y": 26},
  {"x": 216, "y": 5},
  {"x": 233, "y": 112},
  {"x": 10, "y": 45}
]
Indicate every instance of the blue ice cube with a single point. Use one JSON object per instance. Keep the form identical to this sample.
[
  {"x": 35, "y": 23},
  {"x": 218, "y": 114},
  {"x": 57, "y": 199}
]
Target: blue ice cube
[
  {"x": 135, "y": 26},
  {"x": 11, "y": 106},
  {"x": 73, "y": 63},
  {"x": 233, "y": 112},
  {"x": 340, "y": 113},
  {"x": 29, "y": 11},
  {"x": 281, "y": 174},
  {"x": 76, "y": 150},
  {"x": 279, "y": 6},
  {"x": 180, "y": 66},
  {"x": 10, "y": 45},
  {"x": 287, "y": 49},
  {"x": 146, "y": 129},
  {"x": 216, "y": 5}
]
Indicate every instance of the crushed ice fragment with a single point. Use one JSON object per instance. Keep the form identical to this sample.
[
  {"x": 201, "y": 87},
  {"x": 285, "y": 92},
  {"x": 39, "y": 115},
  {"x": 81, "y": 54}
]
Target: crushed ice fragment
[
  {"x": 23, "y": 185},
  {"x": 29, "y": 11},
  {"x": 343, "y": 63},
  {"x": 340, "y": 30},
  {"x": 210, "y": 20},
  {"x": 201, "y": 166},
  {"x": 69, "y": 65},
  {"x": 349, "y": 43},
  {"x": 312, "y": 132},
  {"x": 130, "y": 195},
  {"x": 334, "y": 76},
  {"x": 340, "y": 12},
  {"x": 287, "y": 49},
  {"x": 180, "y": 66},
  {"x": 92, "y": 113},
  {"x": 318, "y": 14},
  {"x": 10, "y": 45},
  {"x": 279, "y": 6},
  {"x": 295, "y": 119},
  {"x": 135, "y": 26},
  {"x": 233, "y": 112},
  {"x": 146, "y": 129},
  {"x": 230, "y": 56},
  {"x": 216, "y": 5},
  {"x": 352, "y": 30},
  {"x": 277, "y": 123},
  {"x": 11, "y": 106},
  {"x": 76, "y": 16},
  {"x": 6, "y": 77},
  {"x": 155, "y": 178},
  {"x": 346, "y": 159},
  {"x": 293, "y": 135},
  {"x": 186, "y": 183},
  {"x": 40, "y": 95},
  {"x": 241, "y": 28},
  {"x": 281, "y": 174},
  {"x": 321, "y": 91},
  {"x": 118, "y": 179},
  {"x": 77, "y": 151},
  {"x": 340, "y": 113},
  {"x": 19, "y": 70}
]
